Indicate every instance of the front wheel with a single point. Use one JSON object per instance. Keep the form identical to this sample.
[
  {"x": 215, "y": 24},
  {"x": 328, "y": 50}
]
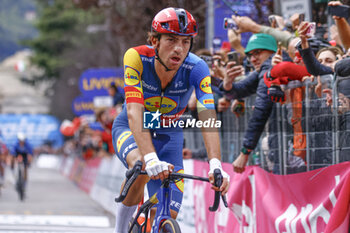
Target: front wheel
[{"x": 170, "y": 226}]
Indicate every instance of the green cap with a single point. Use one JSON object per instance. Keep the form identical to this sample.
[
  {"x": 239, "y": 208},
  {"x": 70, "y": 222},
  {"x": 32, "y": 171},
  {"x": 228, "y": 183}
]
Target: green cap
[{"x": 261, "y": 41}]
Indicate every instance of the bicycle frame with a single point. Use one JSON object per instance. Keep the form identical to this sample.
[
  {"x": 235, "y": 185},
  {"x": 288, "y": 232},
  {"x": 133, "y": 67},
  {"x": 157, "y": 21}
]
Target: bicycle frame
[
  {"x": 163, "y": 196},
  {"x": 163, "y": 209}
]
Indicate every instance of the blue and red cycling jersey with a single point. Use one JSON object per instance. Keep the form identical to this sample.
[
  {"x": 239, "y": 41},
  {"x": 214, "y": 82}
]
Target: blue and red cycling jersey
[{"x": 142, "y": 85}]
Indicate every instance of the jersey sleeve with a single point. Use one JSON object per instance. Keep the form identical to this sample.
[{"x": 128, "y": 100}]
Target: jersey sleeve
[
  {"x": 201, "y": 80},
  {"x": 132, "y": 77}
]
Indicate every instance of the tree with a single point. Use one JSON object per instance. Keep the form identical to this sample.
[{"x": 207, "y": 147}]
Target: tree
[{"x": 75, "y": 35}]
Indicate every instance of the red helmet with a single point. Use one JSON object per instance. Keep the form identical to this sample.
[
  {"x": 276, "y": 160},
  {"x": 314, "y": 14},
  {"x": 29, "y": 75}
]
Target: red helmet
[{"x": 175, "y": 21}]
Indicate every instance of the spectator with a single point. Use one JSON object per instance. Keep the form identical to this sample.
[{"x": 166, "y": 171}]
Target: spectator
[
  {"x": 343, "y": 27},
  {"x": 342, "y": 70},
  {"x": 259, "y": 50},
  {"x": 245, "y": 24},
  {"x": 328, "y": 57},
  {"x": 106, "y": 122},
  {"x": 3, "y": 156},
  {"x": 118, "y": 97}
]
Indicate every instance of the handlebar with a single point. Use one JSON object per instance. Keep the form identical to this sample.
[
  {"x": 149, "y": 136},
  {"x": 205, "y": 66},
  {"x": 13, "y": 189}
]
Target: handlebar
[
  {"x": 218, "y": 179},
  {"x": 132, "y": 174}
]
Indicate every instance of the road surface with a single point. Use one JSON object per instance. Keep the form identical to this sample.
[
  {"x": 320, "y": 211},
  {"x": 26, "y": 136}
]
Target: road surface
[{"x": 53, "y": 204}]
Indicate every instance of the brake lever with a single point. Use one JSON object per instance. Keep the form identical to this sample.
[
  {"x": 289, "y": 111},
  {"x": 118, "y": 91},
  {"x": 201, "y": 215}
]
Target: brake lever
[
  {"x": 131, "y": 176},
  {"x": 218, "y": 179}
]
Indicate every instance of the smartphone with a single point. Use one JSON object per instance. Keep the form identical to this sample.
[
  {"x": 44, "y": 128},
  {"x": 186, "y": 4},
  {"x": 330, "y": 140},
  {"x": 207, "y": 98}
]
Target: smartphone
[
  {"x": 233, "y": 56},
  {"x": 273, "y": 21},
  {"x": 229, "y": 23},
  {"x": 207, "y": 59},
  {"x": 311, "y": 29},
  {"x": 340, "y": 11},
  {"x": 301, "y": 18}
]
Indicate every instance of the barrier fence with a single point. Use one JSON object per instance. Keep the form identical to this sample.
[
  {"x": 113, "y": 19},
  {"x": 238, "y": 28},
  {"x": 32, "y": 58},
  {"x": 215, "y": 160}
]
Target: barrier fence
[
  {"x": 302, "y": 134},
  {"x": 258, "y": 201}
]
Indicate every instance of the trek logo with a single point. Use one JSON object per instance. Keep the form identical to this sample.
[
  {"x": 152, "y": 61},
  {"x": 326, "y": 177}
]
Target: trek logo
[
  {"x": 164, "y": 105},
  {"x": 205, "y": 85},
  {"x": 131, "y": 76},
  {"x": 151, "y": 120}
]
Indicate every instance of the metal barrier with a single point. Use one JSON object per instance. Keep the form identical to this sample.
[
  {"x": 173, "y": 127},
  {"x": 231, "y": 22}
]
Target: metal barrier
[{"x": 309, "y": 133}]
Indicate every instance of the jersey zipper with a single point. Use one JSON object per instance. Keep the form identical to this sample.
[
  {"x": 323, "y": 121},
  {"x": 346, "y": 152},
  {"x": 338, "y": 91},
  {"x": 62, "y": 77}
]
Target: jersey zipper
[{"x": 161, "y": 100}]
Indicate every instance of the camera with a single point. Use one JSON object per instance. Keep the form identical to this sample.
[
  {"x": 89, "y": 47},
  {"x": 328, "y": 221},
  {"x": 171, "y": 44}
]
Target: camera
[
  {"x": 229, "y": 23},
  {"x": 342, "y": 11}
]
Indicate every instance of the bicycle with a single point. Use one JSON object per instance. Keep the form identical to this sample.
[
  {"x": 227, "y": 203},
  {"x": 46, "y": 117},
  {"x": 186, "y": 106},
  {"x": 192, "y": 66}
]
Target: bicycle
[
  {"x": 20, "y": 181},
  {"x": 162, "y": 221}
]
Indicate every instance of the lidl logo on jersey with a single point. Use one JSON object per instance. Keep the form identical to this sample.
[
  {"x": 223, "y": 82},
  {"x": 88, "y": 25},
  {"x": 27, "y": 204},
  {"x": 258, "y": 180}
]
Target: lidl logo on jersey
[
  {"x": 164, "y": 105},
  {"x": 151, "y": 120},
  {"x": 131, "y": 76},
  {"x": 205, "y": 85}
]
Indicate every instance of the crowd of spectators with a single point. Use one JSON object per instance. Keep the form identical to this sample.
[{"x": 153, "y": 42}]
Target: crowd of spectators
[
  {"x": 90, "y": 138},
  {"x": 275, "y": 65}
]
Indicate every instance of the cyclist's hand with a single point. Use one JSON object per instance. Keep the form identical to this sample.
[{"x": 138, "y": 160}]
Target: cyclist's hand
[
  {"x": 155, "y": 168},
  {"x": 215, "y": 163}
]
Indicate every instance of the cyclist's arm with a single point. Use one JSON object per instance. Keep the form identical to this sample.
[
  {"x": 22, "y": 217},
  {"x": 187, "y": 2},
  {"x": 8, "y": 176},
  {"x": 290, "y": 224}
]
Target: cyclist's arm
[
  {"x": 210, "y": 135},
  {"x": 133, "y": 69},
  {"x": 142, "y": 136},
  {"x": 205, "y": 107},
  {"x": 206, "y": 111}
]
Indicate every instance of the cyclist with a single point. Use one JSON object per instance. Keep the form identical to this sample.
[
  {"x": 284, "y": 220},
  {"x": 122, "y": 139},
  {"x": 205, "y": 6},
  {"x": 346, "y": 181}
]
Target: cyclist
[
  {"x": 23, "y": 152},
  {"x": 159, "y": 79}
]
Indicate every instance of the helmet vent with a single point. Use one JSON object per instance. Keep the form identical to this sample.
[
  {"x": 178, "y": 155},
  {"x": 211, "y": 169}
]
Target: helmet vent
[
  {"x": 182, "y": 22},
  {"x": 165, "y": 25}
]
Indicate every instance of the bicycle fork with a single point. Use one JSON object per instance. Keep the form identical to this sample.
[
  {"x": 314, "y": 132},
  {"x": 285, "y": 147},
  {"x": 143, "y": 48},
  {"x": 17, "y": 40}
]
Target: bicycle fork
[{"x": 163, "y": 208}]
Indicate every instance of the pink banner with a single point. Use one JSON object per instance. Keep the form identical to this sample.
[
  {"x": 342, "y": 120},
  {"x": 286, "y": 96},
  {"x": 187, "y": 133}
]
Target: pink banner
[
  {"x": 260, "y": 202},
  {"x": 89, "y": 174}
]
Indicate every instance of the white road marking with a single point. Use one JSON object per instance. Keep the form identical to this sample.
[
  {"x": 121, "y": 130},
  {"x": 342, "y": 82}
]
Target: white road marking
[{"x": 55, "y": 220}]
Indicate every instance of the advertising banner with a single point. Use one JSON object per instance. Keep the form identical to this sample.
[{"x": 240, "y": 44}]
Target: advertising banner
[
  {"x": 83, "y": 105},
  {"x": 95, "y": 82},
  {"x": 315, "y": 201},
  {"x": 38, "y": 128},
  {"x": 93, "y": 85}
]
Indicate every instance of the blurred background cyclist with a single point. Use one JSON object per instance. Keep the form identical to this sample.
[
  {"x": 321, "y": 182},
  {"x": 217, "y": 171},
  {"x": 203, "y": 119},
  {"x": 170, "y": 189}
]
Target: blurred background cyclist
[{"x": 22, "y": 152}]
